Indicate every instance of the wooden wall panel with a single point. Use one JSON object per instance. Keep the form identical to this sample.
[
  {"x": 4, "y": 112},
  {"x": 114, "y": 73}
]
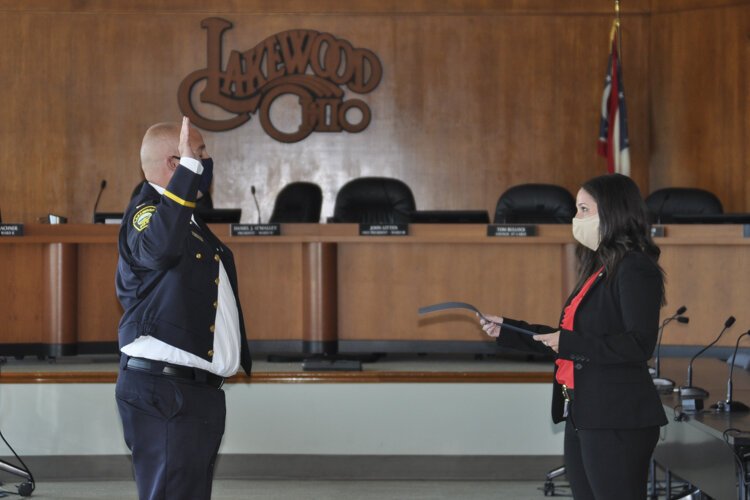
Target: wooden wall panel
[
  {"x": 699, "y": 101},
  {"x": 271, "y": 287},
  {"x": 475, "y": 97},
  {"x": 99, "y": 311},
  {"x": 672, "y": 6},
  {"x": 339, "y": 7},
  {"x": 22, "y": 304},
  {"x": 710, "y": 280},
  {"x": 381, "y": 286}
]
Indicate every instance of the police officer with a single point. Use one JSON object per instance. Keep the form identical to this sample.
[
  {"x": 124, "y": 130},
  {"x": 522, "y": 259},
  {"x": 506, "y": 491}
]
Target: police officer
[{"x": 182, "y": 330}]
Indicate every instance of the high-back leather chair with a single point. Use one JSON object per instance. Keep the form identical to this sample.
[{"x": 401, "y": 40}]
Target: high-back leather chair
[
  {"x": 535, "y": 204},
  {"x": 374, "y": 200},
  {"x": 666, "y": 203},
  {"x": 298, "y": 202}
]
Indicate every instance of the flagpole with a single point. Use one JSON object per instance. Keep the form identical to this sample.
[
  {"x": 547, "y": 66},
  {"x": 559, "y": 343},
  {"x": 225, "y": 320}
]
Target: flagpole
[
  {"x": 616, "y": 30},
  {"x": 613, "y": 130}
]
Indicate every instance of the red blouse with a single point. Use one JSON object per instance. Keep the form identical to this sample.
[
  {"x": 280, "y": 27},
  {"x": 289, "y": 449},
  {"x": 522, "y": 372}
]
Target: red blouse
[{"x": 564, "y": 373}]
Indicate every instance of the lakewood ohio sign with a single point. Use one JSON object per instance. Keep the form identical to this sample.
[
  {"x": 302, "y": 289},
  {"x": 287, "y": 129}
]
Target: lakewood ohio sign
[{"x": 306, "y": 64}]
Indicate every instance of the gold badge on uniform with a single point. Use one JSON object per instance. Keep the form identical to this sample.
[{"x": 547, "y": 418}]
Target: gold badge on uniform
[{"x": 142, "y": 217}]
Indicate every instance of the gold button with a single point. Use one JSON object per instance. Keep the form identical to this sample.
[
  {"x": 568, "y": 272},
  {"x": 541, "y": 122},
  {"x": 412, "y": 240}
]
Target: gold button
[
  {"x": 216, "y": 304},
  {"x": 217, "y": 258},
  {"x": 216, "y": 281},
  {"x": 199, "y": 255},
  {"x": 212, "y": 328},
  {"x": 210, "y": 354}
]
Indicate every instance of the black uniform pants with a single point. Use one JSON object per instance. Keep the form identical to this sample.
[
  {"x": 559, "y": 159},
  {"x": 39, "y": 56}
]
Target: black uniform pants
[
  {"x": 173, "y": 428},
  {"x": 608, "y": 464}
]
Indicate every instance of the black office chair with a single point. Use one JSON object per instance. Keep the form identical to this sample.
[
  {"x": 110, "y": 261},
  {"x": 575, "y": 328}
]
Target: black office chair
[
  {"x": 298, "y": 202},
  {"x": 374, "y": 200},
  {"x": 669, "y": 205},
  {"x": 535, "y": 204},
  {"x": 538, "y": 204}
]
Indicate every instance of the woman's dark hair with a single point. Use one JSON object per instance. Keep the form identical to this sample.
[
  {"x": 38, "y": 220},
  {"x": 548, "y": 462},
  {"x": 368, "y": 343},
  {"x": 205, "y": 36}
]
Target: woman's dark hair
[{"x": 624, "y": 226}]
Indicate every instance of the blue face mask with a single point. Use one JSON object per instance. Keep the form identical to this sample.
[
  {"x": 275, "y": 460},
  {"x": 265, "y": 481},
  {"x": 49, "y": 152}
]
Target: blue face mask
[{"x": 207, "y": 176}]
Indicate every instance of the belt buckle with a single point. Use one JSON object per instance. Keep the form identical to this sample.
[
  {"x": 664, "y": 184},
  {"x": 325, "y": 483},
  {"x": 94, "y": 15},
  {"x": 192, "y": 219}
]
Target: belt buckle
[
  {"x": 199, "y": 376},
  {"x": 566, "y": 403},
  {"x": 565, "y": 392},
  {"x": 139, "y": 364},
  {"x": 208, "y": 378}
]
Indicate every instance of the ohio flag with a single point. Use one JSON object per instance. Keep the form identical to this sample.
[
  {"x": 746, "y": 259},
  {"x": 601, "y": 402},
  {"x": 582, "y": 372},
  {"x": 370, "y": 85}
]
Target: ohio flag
[{"x": 613, "y": 128}]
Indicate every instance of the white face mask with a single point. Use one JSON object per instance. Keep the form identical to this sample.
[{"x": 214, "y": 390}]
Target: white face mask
[{"x": 586, "y": 231}]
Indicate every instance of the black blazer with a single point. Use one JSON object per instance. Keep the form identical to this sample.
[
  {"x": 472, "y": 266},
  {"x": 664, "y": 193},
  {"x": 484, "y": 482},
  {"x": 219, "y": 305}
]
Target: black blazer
[
  {"x": 614, "y": 335},
  {"x": 167, "y": 269}
]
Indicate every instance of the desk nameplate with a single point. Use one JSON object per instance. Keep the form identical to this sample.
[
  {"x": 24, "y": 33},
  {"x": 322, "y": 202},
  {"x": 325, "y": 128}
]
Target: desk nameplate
[
  {"x": 658, "y": 231},
  {"x": 383, "y": 229},
  {"x": 255, "y": 229},
  {"x": 11, "y": 229},
  {"x": 511, "y": 230}
]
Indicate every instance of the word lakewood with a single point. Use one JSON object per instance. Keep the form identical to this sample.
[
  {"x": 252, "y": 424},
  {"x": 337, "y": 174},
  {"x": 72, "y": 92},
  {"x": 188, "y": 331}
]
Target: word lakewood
[{"x": 304, "y": 63}]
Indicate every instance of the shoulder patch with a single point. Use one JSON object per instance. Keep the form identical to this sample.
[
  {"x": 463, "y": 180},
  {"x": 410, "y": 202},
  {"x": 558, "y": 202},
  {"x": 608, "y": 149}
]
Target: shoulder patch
[{"x": 143, "y": 216}]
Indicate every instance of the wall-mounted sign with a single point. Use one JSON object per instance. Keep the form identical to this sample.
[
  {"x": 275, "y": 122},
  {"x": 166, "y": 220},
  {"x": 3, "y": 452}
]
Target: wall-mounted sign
[{"x": 306, "y": 64}]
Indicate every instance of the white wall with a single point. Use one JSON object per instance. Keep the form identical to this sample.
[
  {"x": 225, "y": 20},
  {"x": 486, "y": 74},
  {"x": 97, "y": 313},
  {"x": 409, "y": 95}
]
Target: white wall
[{"x": 358, "y": 419}]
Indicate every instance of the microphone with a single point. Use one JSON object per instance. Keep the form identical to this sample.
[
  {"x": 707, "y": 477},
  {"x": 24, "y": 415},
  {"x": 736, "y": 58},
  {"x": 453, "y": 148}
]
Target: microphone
[
  {"x": 730, "y": 406},
  {"x": 257, "y": 206},
  {"x": 98, "y": 197},
  {"x": 695, "y": 395},
  {"x": 661, "y": 208},
  {"x": 666, "y": 385}
]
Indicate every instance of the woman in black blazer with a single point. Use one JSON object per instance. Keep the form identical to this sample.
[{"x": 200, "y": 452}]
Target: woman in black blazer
[{"x": 607, "y": 333}]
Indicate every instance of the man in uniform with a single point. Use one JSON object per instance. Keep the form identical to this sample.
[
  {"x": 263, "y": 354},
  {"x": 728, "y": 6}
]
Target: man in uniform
[{"x": 182, "y": 331}]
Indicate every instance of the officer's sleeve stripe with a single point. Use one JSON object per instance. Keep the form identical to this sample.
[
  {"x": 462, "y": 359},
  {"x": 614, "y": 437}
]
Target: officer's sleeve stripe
[{"x": 174, "y": 197}]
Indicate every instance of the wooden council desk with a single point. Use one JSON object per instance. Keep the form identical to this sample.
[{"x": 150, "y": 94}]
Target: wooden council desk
[{"x": 322, "y": 287}]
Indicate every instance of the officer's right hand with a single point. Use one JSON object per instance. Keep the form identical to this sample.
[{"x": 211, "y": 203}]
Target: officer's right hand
[{"x": 185, "y": 148}]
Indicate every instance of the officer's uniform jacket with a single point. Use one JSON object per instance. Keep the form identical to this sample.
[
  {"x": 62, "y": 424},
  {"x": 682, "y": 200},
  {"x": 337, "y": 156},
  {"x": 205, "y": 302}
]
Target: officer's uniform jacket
[{"x": 168, "y": 271}]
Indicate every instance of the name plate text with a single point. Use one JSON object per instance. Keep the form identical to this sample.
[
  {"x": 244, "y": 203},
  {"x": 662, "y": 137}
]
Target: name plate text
[
  {"x": 11, "y": 229},
  {"x": 256, "y": 229},
  {"x": 515, "y": 230},
  {"x": 383, "y": 229}
]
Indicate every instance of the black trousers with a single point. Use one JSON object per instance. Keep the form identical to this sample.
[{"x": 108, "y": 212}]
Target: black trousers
[
  {"x": 173, "y": 428},
  {"x": 608, "y": 464}
]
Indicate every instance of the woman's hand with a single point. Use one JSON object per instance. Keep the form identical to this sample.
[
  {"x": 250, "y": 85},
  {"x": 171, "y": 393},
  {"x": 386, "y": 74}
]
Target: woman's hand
[
  {"x": 551, "y": 340},
  {"x": 491, "y": 327}
]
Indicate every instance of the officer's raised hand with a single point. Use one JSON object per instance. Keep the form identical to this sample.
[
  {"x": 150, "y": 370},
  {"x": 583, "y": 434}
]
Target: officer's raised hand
[{"x": 185, "y": 147}]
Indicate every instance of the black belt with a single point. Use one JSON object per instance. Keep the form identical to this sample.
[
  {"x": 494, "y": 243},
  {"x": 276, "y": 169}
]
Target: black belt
[{"x": 168, "y": 369}]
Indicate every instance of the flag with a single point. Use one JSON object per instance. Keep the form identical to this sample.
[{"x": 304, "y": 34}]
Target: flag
[{"x": 613, "y": 127}]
